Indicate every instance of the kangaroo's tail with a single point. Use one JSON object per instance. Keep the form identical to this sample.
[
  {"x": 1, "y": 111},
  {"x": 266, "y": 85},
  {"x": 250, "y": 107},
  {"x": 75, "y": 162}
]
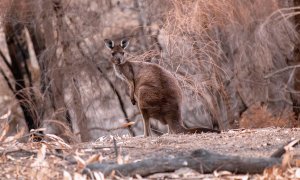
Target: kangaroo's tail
[{"x": 201, "y": 130}]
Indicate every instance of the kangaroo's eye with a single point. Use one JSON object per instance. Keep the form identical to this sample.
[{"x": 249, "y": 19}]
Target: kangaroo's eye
[{"x": 114, "y": 53}]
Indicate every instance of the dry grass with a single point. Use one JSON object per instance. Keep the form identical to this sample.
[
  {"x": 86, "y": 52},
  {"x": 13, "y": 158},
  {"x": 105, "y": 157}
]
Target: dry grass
[
  {"x": 258, "y": 116},
  {"x": 221, "y": 51}
]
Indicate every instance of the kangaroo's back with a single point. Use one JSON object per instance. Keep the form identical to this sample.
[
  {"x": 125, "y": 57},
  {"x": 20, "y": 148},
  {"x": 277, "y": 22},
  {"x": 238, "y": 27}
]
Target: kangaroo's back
[
  {"x": 157, "y": 92},
  {"x": 160, "y": 83}
]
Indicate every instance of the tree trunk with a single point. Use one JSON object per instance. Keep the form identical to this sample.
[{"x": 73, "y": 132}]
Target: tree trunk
[{"x": 19, "y": 54}]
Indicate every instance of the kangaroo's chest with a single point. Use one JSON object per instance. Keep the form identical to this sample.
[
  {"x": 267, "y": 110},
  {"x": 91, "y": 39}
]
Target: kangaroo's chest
[{"x": 120, "y": 73}]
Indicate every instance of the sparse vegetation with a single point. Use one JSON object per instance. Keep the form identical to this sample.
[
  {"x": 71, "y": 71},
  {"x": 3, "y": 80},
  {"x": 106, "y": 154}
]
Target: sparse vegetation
[{"x": 237, "y": 62}]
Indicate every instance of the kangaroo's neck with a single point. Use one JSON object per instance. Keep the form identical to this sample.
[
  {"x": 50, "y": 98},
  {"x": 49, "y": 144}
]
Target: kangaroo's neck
[{"x": 124, "y": 71}]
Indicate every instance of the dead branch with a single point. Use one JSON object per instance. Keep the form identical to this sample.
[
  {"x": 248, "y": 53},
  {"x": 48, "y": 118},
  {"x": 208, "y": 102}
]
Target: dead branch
[
  {"x": 3, "y": 73},
  {"x": 7, "y": 81},
  {"x": 281, "y": 71},
  {"x": 200, "y": 160},
  {"x": 6, "y": 61},
  {"x": 279, "y": 152},
  {"x": 80, "y": 115}
]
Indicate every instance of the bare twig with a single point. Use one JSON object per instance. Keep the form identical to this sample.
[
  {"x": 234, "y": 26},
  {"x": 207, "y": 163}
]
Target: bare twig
[
  {"x": 281, "y": 71},
  {"x": 6, "y": 61},
  {"x": 7, "y": 81}
]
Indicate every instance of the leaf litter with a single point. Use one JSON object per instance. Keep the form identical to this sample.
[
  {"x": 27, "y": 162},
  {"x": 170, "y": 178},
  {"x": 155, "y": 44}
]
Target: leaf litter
[{"x": 55, "y": 159}]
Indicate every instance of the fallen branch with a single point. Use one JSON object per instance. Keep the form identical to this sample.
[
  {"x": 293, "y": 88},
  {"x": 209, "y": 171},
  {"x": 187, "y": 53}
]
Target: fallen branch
[
  {"x": 200, "y": 160},
  {"x": 279, "y": 152}
]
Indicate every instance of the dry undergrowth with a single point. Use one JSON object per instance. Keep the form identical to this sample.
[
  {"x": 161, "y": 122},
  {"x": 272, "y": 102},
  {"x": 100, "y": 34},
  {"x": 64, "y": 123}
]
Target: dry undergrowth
[
  {"x": 55, "y": 159},
  {"x": 225, "y": 52},
  {"x": 258, "y": 116},
  {"x": 205, "y": 46}
]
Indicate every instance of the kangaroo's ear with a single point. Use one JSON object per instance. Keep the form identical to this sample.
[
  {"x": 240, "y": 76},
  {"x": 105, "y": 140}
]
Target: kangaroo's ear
[
  {"x": 109, "y": 43},
  {"x": 124, "y": 43}
]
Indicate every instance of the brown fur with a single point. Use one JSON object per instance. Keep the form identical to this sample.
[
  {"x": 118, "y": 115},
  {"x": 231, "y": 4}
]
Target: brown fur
[{"x": 155, "y": 90}]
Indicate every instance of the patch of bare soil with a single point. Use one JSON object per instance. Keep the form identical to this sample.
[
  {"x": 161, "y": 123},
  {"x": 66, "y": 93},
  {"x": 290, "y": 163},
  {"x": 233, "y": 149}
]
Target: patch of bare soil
[{"x": 54, "y": 159}]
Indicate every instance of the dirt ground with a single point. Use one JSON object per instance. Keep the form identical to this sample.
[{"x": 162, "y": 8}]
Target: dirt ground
[{"x": 54, "y": 159}]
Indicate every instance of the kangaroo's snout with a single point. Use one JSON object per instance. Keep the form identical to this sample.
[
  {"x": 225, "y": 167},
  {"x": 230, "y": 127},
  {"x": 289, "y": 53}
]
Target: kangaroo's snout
[{"x": 118, "y": 58}]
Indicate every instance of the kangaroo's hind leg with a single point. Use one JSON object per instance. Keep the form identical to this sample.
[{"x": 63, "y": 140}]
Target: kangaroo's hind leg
[
  {"x": 146, "y": 120},
  {"x": 173, "y": 119}
]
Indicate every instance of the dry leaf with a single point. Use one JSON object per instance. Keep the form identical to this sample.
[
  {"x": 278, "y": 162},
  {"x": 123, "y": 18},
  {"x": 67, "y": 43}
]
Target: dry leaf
[
  {"x": 42, "y": 153},
  {"x": 222, "y": 173},
  {"x": 112, "y": 174},
  {"x": 186, "y": 172},
  {"x": 297, "y": 162},
  {"x": 4, "y": 132},
  {"x": 297, "y": 173},
  {"x": 128, "y": 124},
  {"x": 120, "y": 159},
  {"x": 286, "y": 160},
  {"x": 268, "y": 172},
  {"x": 80, "y": 163},
  {"x": 40, "y": 156},
  {"x": 5, "y": 116},
  {"x": 98, "y": 175},
  {"x": 78, "y": 176},
  {"x": 94, "y": 158},
  {"x": 67, "y": 175},
  {"x": 138, "y": 176},
  {"x": 10, "y": 158},
  {"x": 273, "y": 172}
]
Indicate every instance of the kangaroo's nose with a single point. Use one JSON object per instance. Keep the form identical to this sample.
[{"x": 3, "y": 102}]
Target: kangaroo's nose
[{"x": 118, "y": 60}]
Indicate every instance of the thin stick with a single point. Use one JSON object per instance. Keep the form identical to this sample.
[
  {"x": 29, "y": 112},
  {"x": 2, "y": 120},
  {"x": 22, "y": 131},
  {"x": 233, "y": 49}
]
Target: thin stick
[{"x": 281, "y": 71}]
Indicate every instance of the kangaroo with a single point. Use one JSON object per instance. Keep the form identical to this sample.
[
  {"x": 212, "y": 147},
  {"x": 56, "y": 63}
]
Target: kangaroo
[{"x": 154, "y": 89}]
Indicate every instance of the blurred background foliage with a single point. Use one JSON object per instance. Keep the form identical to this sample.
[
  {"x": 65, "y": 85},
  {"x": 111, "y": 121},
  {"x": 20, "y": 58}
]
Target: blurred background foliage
[{"x": 237, "y": 62}]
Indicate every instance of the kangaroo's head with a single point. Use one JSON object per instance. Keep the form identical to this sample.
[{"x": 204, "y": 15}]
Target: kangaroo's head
[{"x": 117, "y": 50}]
